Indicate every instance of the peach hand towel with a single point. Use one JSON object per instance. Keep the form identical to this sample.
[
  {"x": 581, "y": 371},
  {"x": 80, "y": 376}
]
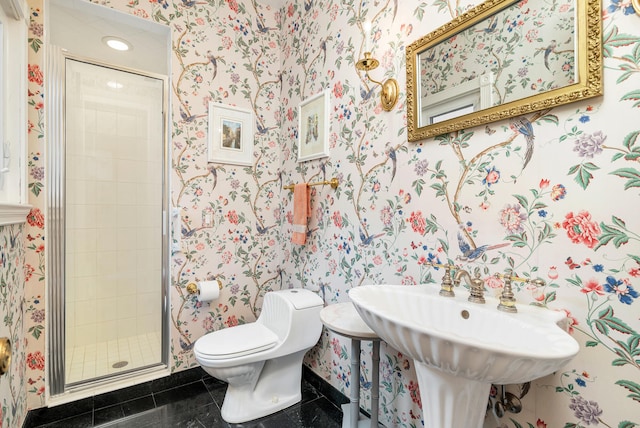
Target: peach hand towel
[{"x": 301, "y": 212}]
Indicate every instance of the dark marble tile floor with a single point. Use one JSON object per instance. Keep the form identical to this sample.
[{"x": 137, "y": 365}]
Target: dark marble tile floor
[{"x": 190, "y": 399}]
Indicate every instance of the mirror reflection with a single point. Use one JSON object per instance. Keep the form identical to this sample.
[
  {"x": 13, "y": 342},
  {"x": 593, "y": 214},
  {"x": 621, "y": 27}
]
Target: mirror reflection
[{"x": 500, "y": 59}]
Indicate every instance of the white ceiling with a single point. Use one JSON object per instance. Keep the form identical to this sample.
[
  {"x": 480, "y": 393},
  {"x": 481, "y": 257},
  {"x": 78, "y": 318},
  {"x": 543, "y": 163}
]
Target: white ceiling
[{"x": 79, "y": 26}]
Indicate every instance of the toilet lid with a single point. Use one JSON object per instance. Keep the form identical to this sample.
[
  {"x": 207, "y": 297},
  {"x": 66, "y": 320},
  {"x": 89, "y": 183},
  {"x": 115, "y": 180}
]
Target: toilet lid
[{"x": 236, "y": 341}]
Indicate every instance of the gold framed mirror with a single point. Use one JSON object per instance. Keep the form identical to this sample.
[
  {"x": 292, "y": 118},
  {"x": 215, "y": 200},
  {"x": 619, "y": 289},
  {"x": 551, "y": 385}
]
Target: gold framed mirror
[{"x": 501, "y": 59}]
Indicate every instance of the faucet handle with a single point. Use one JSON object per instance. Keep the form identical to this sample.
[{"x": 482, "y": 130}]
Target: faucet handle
[
  {"x": 446, "y": 287},
  {"x": 537, "y": 282},
  {"x": 507, "y": 298},
  {"x": 476, "y": 292}
]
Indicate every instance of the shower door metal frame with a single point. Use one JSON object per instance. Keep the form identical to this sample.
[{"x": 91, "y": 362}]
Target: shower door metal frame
[{"x": 55, "y": 220}]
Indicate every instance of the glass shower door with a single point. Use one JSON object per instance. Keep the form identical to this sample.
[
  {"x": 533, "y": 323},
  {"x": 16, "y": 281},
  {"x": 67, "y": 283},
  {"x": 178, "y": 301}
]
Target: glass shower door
[{"x": 113, "y": 221}]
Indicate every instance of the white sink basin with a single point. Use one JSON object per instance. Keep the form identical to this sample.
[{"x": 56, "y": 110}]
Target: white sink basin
[{"x": 460, "y": 348}]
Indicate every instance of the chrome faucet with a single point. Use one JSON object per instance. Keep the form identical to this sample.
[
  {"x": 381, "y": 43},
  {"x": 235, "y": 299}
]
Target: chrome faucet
[{"x": 476, "y": 285}]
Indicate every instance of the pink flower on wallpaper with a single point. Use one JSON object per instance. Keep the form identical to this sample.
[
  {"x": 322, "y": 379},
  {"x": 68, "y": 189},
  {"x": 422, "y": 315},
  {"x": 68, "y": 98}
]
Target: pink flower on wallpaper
[
  {"x": 581, "y": 229},
  {"x": 335, "y": 344},
  {"x": 207, "y": 323},
  {"x": 493, "y": 282},
  {"x": 414, "y": 393},
  {"x": 35, "y": 218},
  {"x": 28, "y": 271},
  {"x": 540, "y": 424},
  {"x": 531, "y": 36},
  {"x": 35, "y": 74},
  {"x": 35, "y": 360},
  {"x": 227, "y": 42},
  {"x": 418, "y": 223},
  {"x": 593, "y": 286},
  {"x": 511, "y": 218},
  {"x": 231, "y": 321},
  {"x": 233, "y": 5},
  {"x": 544, "y": 183},
  {"x": 338, "y": 89},
  {"x": 232, "y": 216},
  {"x": 492, "y": 177},
  {"x": 333, "y": 266},
  {"x": 337, "y": 219},
  {"x": 386, "y": 216},
  {"x": 141, "y": 13}
]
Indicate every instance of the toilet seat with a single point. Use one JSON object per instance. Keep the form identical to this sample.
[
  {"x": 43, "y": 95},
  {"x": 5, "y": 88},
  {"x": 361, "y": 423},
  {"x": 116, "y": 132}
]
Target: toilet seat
[{"x": 235, "y": 342}]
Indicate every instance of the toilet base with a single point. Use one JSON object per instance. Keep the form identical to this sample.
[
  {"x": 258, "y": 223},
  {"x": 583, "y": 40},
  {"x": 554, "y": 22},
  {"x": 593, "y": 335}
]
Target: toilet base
[{"x": 278, "y": 386}]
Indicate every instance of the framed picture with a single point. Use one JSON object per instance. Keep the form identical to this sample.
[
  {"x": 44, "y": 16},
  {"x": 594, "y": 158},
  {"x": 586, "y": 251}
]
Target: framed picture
[
  {"x": 230, "y": 138},
  {"x": 313, "y": 127}
]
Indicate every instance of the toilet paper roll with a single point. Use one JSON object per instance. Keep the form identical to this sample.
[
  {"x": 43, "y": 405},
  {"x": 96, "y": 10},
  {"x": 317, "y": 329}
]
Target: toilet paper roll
[{"x": 208, "y": 290}]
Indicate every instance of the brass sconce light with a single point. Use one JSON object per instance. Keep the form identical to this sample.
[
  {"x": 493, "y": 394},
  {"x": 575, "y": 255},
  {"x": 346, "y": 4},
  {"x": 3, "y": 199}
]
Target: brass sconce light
[
  {"x": 5, "y": 355},
  {"x": 389, "y": 88}
]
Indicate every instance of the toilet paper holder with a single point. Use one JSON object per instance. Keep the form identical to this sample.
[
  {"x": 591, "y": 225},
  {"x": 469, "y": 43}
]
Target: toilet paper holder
[{"x": 192, "y": 287}]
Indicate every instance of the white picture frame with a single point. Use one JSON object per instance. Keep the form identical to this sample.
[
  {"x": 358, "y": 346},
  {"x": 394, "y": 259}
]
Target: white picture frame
[
  {"x": 230, "y": 137},
  {"x": 313, "y": 127}
]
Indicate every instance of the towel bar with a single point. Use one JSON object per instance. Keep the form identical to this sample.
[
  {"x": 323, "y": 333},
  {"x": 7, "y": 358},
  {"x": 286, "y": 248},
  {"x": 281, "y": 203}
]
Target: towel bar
[{"x": 333, "y": 182}]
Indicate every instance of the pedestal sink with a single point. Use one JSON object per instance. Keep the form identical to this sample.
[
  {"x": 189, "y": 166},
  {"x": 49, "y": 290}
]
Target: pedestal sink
[{"x": 460, "y": 348}]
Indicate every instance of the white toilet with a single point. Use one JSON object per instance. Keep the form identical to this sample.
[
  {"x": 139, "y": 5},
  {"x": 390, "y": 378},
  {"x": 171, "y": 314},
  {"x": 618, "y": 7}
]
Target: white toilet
[{"x": 262, "y": 361}]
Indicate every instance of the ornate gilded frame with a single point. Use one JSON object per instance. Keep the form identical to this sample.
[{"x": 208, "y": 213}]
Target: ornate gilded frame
[{"x": 589, "y": 69}]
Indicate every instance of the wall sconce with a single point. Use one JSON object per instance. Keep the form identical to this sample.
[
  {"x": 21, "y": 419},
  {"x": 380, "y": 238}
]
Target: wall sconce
[{"x": 389, "y": 88}]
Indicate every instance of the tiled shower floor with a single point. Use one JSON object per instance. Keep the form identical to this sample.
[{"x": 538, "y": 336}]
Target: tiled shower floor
[{"x": 96, "y": 360}]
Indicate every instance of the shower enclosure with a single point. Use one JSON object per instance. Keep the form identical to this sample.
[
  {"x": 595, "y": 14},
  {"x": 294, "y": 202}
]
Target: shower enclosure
[{"x": 107, "y": 153}]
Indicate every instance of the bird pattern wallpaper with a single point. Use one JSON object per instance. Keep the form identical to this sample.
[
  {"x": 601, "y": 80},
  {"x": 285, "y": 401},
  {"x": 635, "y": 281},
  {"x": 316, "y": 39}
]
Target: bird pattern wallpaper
[{"x": 552, "y": 195}]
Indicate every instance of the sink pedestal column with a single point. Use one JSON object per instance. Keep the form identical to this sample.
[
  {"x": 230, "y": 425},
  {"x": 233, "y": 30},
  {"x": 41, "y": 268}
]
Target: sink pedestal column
[
  {"x": 450, "y": 401},
  {"x": 342, "y": 318}
]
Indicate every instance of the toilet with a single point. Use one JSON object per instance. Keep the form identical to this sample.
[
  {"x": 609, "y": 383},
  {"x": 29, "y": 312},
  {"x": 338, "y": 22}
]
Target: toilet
[{"x": 262, "y": 361}]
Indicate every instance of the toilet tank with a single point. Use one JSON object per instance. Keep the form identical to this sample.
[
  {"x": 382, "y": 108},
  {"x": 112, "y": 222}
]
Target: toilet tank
[{"x": 294, "y": 316}]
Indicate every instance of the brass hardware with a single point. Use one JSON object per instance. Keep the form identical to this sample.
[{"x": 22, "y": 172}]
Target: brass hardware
[
  {"x": 507, "y": 298},
  {"x": 588, "y": 66},
  {"x": 636, "y": 5},
  {"x": 446, "y": 287},
  {"x": 477, "y": 289},
  {"x": 192, "y": 287},
  {"x": 5, "y": 355},
  {"x": 333, "y": 183},
  {"x": 476, "y": 285},
  {"x": 389, "y": 88}
]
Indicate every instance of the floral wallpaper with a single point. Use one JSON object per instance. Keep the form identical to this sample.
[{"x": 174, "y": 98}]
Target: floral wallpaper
[
  {"x": 557, "y": 204},
  {"x": 13, "y": 403},
  {"x": 528, "y": 48}
]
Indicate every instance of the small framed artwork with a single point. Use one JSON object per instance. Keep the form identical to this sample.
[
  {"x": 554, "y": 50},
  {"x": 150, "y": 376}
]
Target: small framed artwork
[
  {"x": 313, "y": 127},
  {"x": 230, "y": 138}
]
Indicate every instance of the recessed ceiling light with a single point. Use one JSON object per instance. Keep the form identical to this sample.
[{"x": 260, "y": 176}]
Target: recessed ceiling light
[
  {"x": 114, "y": 85},
  {"x": 116, "y": 43}
]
